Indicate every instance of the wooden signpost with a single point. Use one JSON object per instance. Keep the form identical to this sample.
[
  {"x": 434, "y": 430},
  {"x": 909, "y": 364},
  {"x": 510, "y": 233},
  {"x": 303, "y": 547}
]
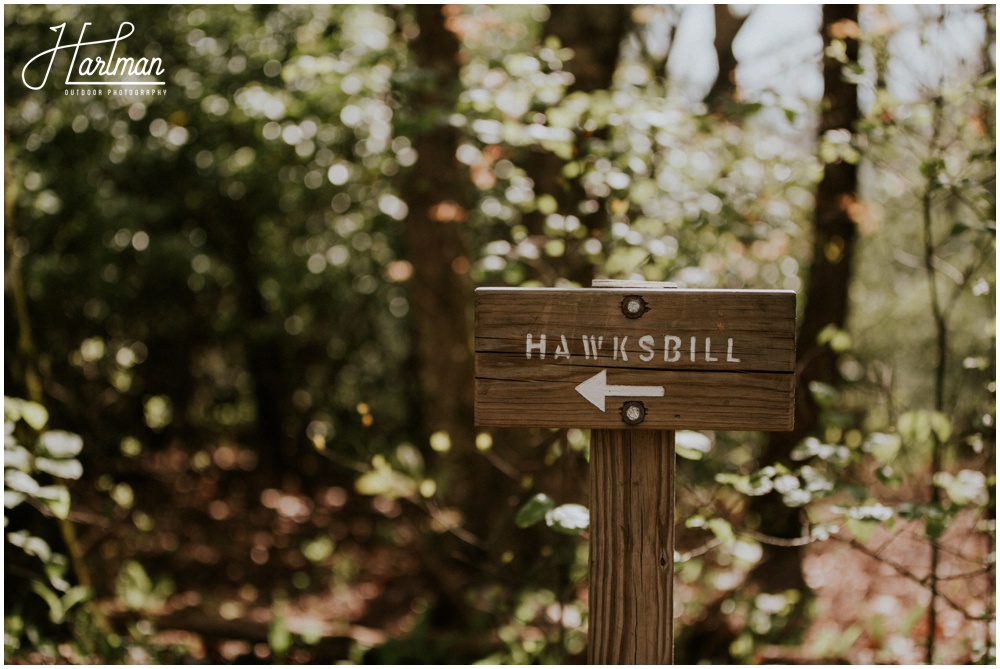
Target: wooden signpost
[{"x": 634, "y": 361}]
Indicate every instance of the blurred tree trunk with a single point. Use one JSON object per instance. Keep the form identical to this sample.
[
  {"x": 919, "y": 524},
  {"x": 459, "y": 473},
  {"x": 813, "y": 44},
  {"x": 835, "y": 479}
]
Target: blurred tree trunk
[
  {"x": 486, "y": 488},
  {"x": 826, "y": 303},
  {"x": 834, "y": 236},
  {"x": 436, "y": 191},
  {"x": 826, "y": 290},
  {"x": 595, "y": 34},
  {"x": 723, "y": 91}
]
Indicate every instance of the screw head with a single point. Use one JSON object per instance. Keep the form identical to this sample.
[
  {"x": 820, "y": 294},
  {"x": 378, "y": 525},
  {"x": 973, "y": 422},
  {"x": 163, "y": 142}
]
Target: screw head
[
  {"x": 633, "y": 413},
  {"x": 633, "y": 306}
]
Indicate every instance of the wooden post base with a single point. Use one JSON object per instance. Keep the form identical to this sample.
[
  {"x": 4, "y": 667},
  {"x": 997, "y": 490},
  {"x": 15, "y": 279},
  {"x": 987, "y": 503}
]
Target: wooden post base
[{"x": 631, "y": 547}]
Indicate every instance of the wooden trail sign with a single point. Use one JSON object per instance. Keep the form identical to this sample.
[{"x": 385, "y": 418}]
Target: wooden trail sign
[
  {"x": 684, "y": 359},
  {"x": 635, "y": 361}
]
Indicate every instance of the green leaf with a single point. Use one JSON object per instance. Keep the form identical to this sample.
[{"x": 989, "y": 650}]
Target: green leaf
[
  {"x": 31, "y": 545},
  {"x": 915, "y": 427},
  {"x": 318, "y": 549},
  {"x": 11, "y": 499},
  {"x": 55, "y": 569},
  {"x": 133, "y": 586},
  {"x": 757, "y": 484},
  {"x": 722, "y": 530},
  {"x": 838, "y": 339},
  {"x": 17, "y": 457},
  {"x": 936, "y": 521},
  {"x": 76, "y": 595},
  {"x": 56, "y": 498},
  {"x": 822, "y": 531},
  {"x": 889, "y": 476},
  {"x": 19, "y": 481},
  {"x": 60, "y": 444},
  {"x": 279, "y": 638},
  {"x": 941, "y": 426},
  {"x": 861, "y": 530},
  {"x": 383, "y": 480},
  {"x": 968, "y": 487},
  {"x": 534, "y": 510},
  {"x": 56, "y": 610},
  {"x": 692, "y": 445},
  {"x": 34, "y": 414},
  {"x": 874, "y": 512},
  {"x": 568, "y": 518},
  {"x": 66, "y": 469},
  {"x": 824, "y": 394},
  {"x": 882, "y": 446}
]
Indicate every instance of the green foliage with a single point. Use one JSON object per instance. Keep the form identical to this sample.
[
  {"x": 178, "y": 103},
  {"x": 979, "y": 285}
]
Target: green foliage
[
  {"x": 564, "y": 518},
  {"x": 229, "y": 264},
  {"x": 37, "y": 464}
]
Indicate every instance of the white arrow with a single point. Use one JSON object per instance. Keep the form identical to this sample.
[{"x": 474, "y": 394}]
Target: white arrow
[{"x": 596, "y": 389}]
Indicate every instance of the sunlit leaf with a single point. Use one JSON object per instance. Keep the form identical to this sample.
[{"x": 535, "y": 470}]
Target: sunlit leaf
[
  {"x": 441, "y": 441},
  {"x": 692, "y": 445},
  {"x": 56, "y": 498},
  {"x": 56, "y": 610},
  {"x": 133, "y": 586},
  {"x": 883, "y": 447},
  {"x": 756, "y": 484},
  {"x": 964, "y": 488},
  {"x": 12, "y": 499},
  {"x": 941, "y": 426},
  {"x": 722, "y": 530},
  {"x": 568, "y": 518},
  {"x": 67, "y": 469},
  {"x": 534, "y": 510},
  {"x": 824, "y": 394},
  {"x": 19, "y": 481},
  {"x": 318, "y": 549},
  {"x": 34, "y": 414},
  {"x": 383, "y": 480},
  {"x": 60, "y": 444},
  {"x": 75, "y": 595},
  {"x": 31, "y": 545},
  {"x": 862, "y": 530},
  {"x": 17, "y": 457}
]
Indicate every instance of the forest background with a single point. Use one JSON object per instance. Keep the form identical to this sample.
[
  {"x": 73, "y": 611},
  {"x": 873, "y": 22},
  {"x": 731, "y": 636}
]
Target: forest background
[{"x": 238, "y": 370}]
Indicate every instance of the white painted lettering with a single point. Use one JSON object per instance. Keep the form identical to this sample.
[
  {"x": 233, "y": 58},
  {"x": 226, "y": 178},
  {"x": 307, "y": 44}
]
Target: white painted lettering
[
  {"x": 708, "y": 351},
  {"x": 562, "y": 349},
  {"x": 540, "y": 347},
  {"x": 671, "y": 348},
  {"x": 620, "y": 347},
  {"x": 729, "y": 352},
  {"x": 646, "y": 344},
  {"x": 591, "y": 346}
]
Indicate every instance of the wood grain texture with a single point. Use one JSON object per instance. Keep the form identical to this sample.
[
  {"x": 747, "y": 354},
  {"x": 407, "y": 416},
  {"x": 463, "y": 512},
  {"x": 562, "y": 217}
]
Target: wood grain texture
[
  {"x": 762, "y": 324},
  {"x": 631, "y": 547},
  {"x": 740, "y": 375}
]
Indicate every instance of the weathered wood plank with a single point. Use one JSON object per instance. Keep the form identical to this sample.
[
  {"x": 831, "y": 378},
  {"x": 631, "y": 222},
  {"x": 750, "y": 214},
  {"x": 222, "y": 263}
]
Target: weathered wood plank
[
  {"x": 631, "y": 547},
  {"x": 706, "y": 359},
  {"x": 691, "y": 401},
  {"x": 760, "y": 323}
]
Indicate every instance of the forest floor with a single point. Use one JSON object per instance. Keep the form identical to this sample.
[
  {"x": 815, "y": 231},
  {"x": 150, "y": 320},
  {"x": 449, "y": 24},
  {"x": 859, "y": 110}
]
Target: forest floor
[{"x": 211, "y": 565}]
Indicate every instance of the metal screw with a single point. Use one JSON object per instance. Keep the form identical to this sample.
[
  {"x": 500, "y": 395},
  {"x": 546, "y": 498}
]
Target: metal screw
[
  {"x": 633, "y": 412},
  {"x": 633, "y": 306}
]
